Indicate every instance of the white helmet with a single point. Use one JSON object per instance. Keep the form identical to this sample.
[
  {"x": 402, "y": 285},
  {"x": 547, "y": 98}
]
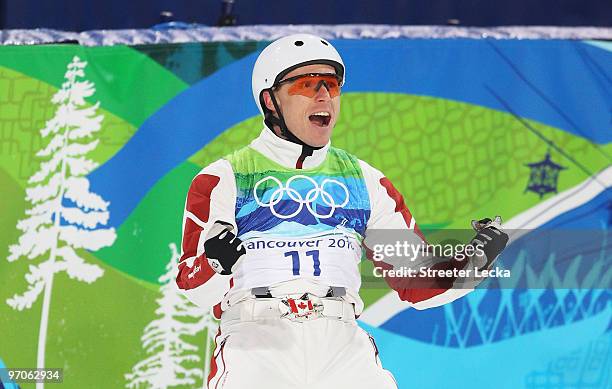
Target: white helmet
[{"x": 286, "y": 54}]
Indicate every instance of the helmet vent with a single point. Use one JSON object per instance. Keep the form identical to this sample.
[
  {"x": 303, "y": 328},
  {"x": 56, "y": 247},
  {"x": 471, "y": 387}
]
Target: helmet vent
[
  {"x": 299, "y": 43},
  {"x": 325, "y": 43}
]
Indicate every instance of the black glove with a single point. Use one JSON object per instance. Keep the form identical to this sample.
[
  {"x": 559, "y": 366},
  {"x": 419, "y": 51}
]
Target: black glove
[
  {"x": 223, "y": 249},
  {"x": 490, "y": 238}
]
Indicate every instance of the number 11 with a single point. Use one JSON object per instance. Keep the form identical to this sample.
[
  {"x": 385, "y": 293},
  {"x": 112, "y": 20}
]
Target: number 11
[{"x": 295, "y": 258}]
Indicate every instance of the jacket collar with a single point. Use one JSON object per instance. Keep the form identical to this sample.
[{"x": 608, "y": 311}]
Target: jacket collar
[{"x": 288, "y": 154}]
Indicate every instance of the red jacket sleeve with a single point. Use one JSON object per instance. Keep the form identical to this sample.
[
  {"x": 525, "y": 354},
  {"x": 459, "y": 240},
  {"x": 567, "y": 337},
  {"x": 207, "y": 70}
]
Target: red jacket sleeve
[
  {"x": 211, "y": 197},
  {"x": 390, "y": 212}
]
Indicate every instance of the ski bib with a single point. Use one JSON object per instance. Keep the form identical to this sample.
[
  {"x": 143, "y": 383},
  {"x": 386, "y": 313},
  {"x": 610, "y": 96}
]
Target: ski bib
[{"x": 299, "y": 223}]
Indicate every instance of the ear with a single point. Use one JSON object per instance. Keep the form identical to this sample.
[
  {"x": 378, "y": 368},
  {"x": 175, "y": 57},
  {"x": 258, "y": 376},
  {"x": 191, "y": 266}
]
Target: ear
[{"x": 268, "y": 100}]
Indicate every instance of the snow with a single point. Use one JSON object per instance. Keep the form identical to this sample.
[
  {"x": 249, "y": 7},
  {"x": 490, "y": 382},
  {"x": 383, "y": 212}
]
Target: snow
[{"x": 199, "y": 33}]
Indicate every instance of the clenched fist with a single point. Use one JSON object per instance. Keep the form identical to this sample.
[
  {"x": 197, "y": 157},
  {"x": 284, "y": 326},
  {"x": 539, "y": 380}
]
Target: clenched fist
[
  {"x": 223, "y": 249},
  {"x": 490, "y": 238}
]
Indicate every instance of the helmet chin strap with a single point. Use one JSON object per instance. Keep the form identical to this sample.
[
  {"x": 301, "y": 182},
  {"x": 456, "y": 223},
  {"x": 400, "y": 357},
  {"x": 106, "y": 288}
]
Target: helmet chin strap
[{"x": 279, "y": 121}]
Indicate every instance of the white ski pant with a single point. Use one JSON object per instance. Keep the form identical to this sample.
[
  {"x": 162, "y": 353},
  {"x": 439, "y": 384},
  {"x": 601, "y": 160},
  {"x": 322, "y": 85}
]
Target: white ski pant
[{"x": 277, "y": 353}]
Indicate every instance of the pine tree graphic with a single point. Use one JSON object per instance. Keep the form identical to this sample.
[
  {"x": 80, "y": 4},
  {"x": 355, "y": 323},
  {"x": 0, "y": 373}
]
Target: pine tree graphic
[
  {"x": 171, "y": 359},
  {"x": 65, "y": 217}
]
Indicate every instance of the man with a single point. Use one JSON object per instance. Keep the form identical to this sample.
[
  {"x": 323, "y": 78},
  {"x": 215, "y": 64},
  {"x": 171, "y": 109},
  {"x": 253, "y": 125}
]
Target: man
[{"x": 274, "y": 232}]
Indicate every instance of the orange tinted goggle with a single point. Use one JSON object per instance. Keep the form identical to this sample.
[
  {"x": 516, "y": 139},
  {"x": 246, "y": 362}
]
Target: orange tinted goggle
[{"x": 309, "y": 84}]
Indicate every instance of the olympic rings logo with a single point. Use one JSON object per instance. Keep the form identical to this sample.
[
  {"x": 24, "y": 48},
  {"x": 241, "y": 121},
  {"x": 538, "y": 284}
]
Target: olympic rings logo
[{"x": 310, "y": 201}]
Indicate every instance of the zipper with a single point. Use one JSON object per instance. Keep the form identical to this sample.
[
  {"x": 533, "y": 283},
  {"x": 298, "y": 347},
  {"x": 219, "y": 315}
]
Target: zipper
[{"x": 306, "y": 152}]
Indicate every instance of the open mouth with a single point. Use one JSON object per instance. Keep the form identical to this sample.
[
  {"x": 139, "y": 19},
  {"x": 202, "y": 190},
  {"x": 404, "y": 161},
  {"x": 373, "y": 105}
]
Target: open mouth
[{"x": 320, "y": 119}]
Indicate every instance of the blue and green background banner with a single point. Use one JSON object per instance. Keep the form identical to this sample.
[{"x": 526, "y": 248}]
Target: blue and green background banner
[{"x": 453, "y": 123}]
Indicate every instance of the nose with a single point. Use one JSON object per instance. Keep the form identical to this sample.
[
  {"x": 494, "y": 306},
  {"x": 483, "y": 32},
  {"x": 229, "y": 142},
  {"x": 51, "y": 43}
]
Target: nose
[{"x": 322, "y": 92}]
